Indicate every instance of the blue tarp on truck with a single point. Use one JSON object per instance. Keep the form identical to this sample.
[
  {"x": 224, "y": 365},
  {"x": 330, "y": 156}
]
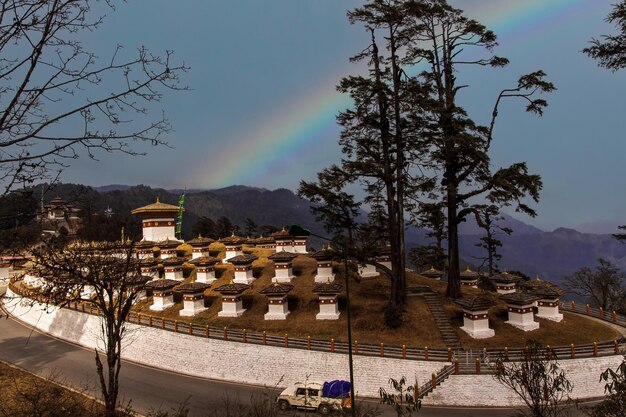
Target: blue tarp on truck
[{"x": 336, "y": 389}]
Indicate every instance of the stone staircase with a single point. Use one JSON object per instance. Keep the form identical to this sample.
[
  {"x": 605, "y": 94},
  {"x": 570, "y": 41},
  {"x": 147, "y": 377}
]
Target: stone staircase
[{"x": 439, "y": 315}]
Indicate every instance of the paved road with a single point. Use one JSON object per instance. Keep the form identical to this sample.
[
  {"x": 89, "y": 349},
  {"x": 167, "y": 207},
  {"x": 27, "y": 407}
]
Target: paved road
[{"x": 147, "y": 387}]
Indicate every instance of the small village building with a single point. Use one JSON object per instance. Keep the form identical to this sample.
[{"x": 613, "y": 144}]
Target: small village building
[
  {"x": 278, "y": 308},
  {"x": 476, "y": 317},
  {"x": 168, "y": 248},
  {"x": 284, "y": 241},
  {"x": 200, "y": 246},
  {"x": 324, "y": 258},
  {"x": 548, "y": 303},
  {"x": 283, "y": 271},
  {"x": 520, "y": 309},
  {"x": 243, "y": 268},
  {"x": 145, "y": 249},
  {"x": 234, "y": 246},
  {"x": 162, "y": 293},
  {"x": 266, "y": 243},
  {"x": 205, "y": 268},
  {"x": 299, "y": 244},
  {"x": 432, "y": 273},
  {"x": 158, "y": 221},
  {"x": 367, "y": 271},
  {"x": 59, "y": 217},
  {"x": 505, "y": 283},
  {"x": 193, "y": 298},
  {"x": 469, "y": 278},
  {"x": 383, "y": 256},
  {"x": 232, "y": 305},
  {"x": 327, "y": 293},
  {"x": 173, "y": 268},
  {"x": 149, "y": 267}
]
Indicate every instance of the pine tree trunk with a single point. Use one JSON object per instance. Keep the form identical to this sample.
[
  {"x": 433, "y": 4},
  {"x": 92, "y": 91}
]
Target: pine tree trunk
[{"x": 454, "y": 274}]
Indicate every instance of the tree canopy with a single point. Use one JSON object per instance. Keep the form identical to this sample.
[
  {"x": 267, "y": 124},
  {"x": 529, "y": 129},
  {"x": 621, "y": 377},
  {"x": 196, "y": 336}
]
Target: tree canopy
[
  {"x": 59, "y": 101},
  {"x": 610, "y": 50}
]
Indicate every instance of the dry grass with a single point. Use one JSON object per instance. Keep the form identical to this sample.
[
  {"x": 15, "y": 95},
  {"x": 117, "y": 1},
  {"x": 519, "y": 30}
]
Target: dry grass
[
  {"x": 23, "y": 394},
  {"x": 368, "y": 300},
  {"x": 573, "y": 328}
]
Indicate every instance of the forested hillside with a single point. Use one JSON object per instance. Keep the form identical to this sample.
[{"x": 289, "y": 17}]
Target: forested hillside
[{"x": 528, "y": 249}]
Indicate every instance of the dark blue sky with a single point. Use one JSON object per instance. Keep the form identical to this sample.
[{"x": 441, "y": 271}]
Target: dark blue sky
[{"x": 262, "y": 105}]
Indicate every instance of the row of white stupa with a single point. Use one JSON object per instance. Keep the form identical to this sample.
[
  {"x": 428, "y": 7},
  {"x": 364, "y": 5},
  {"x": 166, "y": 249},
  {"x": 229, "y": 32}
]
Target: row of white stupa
[{"x": 158, "y": 226}]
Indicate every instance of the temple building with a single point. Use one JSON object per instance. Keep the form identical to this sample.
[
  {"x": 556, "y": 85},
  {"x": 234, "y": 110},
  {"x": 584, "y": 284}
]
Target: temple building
[
  {"x": 232, "y": 305},
  {"x": 283, "y": 271},
  {"x": 173, "y": 268},
  {"x": 432, "y": 273},
  {"x": 168, "y": 248},
  {"x": 520, "y": 309},
  {"x": 505, "y": 283},
  {"x": 205, "y": 268},
  {"x": 193, "y": 298},
  {"x": 299, "y": 244},
  {"x": 476, "y": 317},
  {"x": 324, "y": 258},
  {"x": 158, "y": 221},
  {"x": 367, "y": 271},
  {"x": 145, "y": 249},
  {"x": 383, "y": 256},
  {"x": 243, "y": 268},
  {"x": 469, "y": 278},
  {"x": 59, "y": 215},
  {"x": 234, "y": 246},
  {"x": 162, "y": 293},
  {"x": 284, "y": 241},
  {"x": 266, "y": 243},
  {"x": 199, "y": 246},
  {"x": 278, "y": 309},
  {"x": 327, "y": 293}
]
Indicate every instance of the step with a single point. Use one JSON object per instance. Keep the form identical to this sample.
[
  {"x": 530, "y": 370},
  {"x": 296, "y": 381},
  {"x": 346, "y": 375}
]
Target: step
[{"x": 441, "y": 320}]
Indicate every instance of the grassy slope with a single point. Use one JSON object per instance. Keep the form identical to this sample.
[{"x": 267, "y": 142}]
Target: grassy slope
[
  {"x": 23, "y": 394},
  {"x": 368, "y": 300}
]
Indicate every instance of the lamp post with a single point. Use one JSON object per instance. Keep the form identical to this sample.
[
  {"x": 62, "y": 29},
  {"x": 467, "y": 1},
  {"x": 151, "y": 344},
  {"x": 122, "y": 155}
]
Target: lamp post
[{"x": 297, "y": 230}]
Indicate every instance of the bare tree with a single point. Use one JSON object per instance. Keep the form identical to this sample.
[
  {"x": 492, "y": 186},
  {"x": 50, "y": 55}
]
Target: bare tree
[
  {"x": 108, "y": 277},
  {"x": 603, "y": 287},
  {"x": 486, "y": 218},
  {"x": 58, "y": 100},
  {"x": 537, "y": 380}
]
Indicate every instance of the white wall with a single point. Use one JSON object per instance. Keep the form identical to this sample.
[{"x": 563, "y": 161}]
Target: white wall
[
  {"x": 484, "y": 390},
  {"x": 258, "y": 364},
  {"x": 218, "y": 359}
]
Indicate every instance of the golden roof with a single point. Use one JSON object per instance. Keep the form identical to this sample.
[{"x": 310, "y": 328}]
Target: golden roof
[{"x": 157, "y": 207}]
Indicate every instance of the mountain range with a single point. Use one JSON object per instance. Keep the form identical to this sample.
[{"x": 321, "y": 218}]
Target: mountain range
[{"x": 549, "y": 254}]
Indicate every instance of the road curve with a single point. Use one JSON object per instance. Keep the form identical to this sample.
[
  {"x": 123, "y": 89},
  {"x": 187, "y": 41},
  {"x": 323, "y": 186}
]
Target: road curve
[{"x": 147, "y": 387}]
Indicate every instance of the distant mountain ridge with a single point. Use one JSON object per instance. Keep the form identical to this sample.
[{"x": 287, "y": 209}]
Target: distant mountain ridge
[{"x": 550, "y": 254}]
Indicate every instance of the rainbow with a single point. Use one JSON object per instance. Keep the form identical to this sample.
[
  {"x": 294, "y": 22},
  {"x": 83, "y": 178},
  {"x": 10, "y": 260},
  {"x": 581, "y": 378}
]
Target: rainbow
[
  {"x": 307, "y": 124},
  {"x": 290, "y": 132}
]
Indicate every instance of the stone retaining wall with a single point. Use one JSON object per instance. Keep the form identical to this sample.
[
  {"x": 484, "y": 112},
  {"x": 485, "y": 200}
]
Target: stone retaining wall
[
  {"x": 266, "y": 365},
  {"x": 484, "y": 390},
  {"x": 219, "y": 359}
]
